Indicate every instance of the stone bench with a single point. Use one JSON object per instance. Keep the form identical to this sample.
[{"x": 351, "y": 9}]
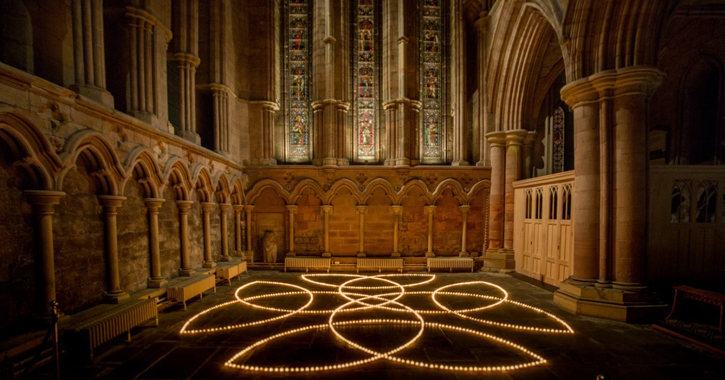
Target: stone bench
[
  {"x": 450, "y": 263},
  {"x": 225, "y": 271},
  {"x": 379, "y": 264},
  {"x": 307, "y": 263},
  {"x": 190, "y": 288},
  {"x": 102, "y": 323}
]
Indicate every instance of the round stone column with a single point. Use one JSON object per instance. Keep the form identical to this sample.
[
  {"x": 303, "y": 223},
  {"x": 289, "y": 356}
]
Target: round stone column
[
  {"x": 224, "y": 209},
  {"x": 249, "y": 254},
  {"x": 43, "y": 202},
  {"x": 430, "y": 211},
  {"x": 465, "y": 209},
  {"x": 238, "y": 250},
  {"x": 326, "y": 211},
  {"x": 292, "y": 209},
  {"x": 361, "y": 211},
  {"x": 206, "y": 224},
  {"x": 397, "y": 212},
  {"x": 514, "y": 142},
  {"x": 110, "y": 204},
  {"x": 497, "y": 141},
  {"x": 153, "y": 205},
  {"x": 184, "y": 207}
]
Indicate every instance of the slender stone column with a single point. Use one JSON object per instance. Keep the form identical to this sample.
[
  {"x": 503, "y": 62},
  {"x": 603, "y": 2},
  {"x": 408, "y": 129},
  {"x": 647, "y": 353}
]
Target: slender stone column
[
  {"x": 89, "y": 54},
  {"x": 268, "y": 111},
  {"x": 187, "y": 64},
  {"x": 184, "y": 207},
  {"x": 249, "y": 254},
  {"x": 326, "y": 211},
  {"x": 496, "y": 198},
  {"x": 43, "y": 202},
  {"x": 205, "y": 211},
  {"x": 361, "y": 211},
  {"x": 110, "y": 204},
  {"x": 481, "y": 25},
  {"x": 224, "y": 208},
  {"x": 465, "y": 209},
  {"x": 238, "y": 250},
  {"x": 397, "y": 211},
  {"x": 458, "y": 85},
  {"x": 528, "y": 154},
  {"x": 153, "y": 205},
  {"x": 430, "y": 211},
  {"x": 514, "y": 141},
  {"x": 292, "y": 209}
]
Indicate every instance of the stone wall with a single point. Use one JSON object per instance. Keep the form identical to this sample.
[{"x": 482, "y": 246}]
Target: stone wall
[
  {"x": 447, "y": 226},
  {"x": 344, "y": 238},
  {"x": 309, "y": 227},
  {"x": 413, "y": 227},
  {"x": 196, "y": 236},
  {"x": 169, "y": 243},
  {"x": 133, "y": 240},
  {"x": 379, "y": 225}
]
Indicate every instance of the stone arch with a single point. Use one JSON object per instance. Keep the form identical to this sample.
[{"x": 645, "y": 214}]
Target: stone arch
[
  {"x": 303, "y": 185},
  {"x": 343, "y": 184},
  {"x": 237, "y": 190},
  {"x": 456, "y": 190},
  {"x": 176, "y": 174},
  {"x": 100, "y": 157},
  {"x": 264, "y": 184},
  {"x": 419, "y": 185},
  {"x": 140, "y": 165},
  {"x": 28, "y": 148},
  {"x": 223, "y": 191},
  {"x": 380, "y": 183},
  {"x": 203, "y": 184}
]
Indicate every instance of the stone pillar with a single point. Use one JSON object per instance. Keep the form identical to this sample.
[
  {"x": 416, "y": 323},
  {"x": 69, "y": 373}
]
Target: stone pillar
[
  {"x": 153, "y": 205},
  {"x": 430, "y": 211},
  {"x": 110, "y": 203},
  {"x": 292, "y": 209},
  {"x": 238, "y": 250},
  {"x": 43, "y": 202},
  {"x": 493, "y": 258},
  {"x": 514, "y": 141},
  {"x": 326, "y": 211},
  {"x": 458, "y": 83},
  {"x": 186, "y": 54},
  {"x": 224, "y": 208},
  {"x": 205, "y": 211},
  {"x": 184, "y": 207},
  {"x": 465, "y": 209},
  {"x": 483, "y": 115},
  {"x": 361, "y": 211},
  {"x": 397, "y": 212},
  {"x": 528, "y": 154},
  {"x": 330, "y": 132},
  {"x": 268, "y": 111},
  {"x": 250, "y": 253},
  {"x": 89, "y": 51}
]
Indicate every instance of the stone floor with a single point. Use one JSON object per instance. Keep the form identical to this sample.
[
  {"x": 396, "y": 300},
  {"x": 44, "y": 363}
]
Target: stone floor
[{"x": 618, "y": 350}]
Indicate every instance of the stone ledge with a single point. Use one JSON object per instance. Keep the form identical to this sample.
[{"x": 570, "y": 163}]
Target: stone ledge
[{"x": 612, "y": 304}]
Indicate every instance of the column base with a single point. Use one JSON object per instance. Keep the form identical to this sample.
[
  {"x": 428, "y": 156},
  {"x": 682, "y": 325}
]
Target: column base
[
  {"x": 501, "y": 260},
  {"x": 343, "y": 162},
  {"x": 395, "y": 254},
  {"x": 361, "y": 254},
  {"x": 459, "y": 163},
  {"x": 156, "y": 283},
  {"x": 485, "y": 163},
  {"x": 226, "y": 259},
  {"x": 96, "y": 93},
  {"x": 464, "y": 254},
  {"x": 268, "y": 161},
  {"x": 222, "y": 153},
  {"x": 291, "y": 254},
  {"x": 115, "y": 297},
  {"x": 249, "y": 256},
  {"x": 186, "y": 272},
  {"x": 190, "y": 136},
  {"x": 614, "y": 304},
  {"x": 430, "y": 254},
  {"x": 208, "y": 264},
  {"x": 329, "y": 161},
  {"x": 326, "y": 254}
]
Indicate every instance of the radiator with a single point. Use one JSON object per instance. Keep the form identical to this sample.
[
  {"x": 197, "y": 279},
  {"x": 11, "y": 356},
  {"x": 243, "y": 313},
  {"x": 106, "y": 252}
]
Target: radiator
[
  {"x": 380, "y": 264},
  {"x": 307, "y": 262},
  {"x": 114, "y": 321},
  {"x": 234, "y": 270},
  {"x": 450, "y": 263},
  {"x": 190, "y": 288}
]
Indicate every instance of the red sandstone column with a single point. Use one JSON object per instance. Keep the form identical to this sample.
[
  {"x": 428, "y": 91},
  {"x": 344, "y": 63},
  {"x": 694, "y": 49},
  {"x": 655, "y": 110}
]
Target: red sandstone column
[
  {"x": 291, "y": 232},
  {"x": 582, "y": 97},
  {"x": 184, "y": 207},
  {"x": 514, "y": 142},
  {"x": 430, "y": 211},
  {"x": 224, "y": 208},
  {"x": 327, "y": 210},
  {"x": 496, "y": 197},
  {"x": 153, "y": 205},
  {"x": 397, "y": 211},
  {"x": 361, "y": 210},
  {"x": 114, "y": 293},
  {"x": 43, "y": 202},
  {"x": 205, "y": 209}
]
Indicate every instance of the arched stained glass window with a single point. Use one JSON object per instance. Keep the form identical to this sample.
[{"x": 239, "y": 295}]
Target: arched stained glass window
[
  {"x": 366, "y": 74},
  {"x": 431, "y": 36},
  {"x": 298, "y": 78}
]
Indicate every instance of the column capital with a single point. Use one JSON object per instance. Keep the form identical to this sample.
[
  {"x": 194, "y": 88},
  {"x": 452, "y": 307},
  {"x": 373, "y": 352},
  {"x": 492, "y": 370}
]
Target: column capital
[
  {"x": 184, "y": 206},
  {"x": 225, "y": 207},
  {"x": 206, "y": 206},
  {"x": 497, "y": 138},
  {"x": 292, "y": 209},
  {"x": 529, "y": 139},
  {"x": 326, "y": 209},
  {"x": 248, "y": 208},
  {"x": 43, "y": 200},
  {"x": 516, "y": 136},
  {"x": 638, "y": 80},
  {"x": 153, "y": 204},
  {"x": 111, "y": 201},
  {"x": 396, "y": 209},
  {"x": 429, "y": 210},
  {"x": 465, "y": 209},
  {"x": 362, "y": 210},
  {"x": 238, "y": 208}
]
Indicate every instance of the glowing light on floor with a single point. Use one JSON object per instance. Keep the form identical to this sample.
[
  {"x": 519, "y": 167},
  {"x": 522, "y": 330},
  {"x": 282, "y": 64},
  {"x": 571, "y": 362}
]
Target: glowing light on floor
[{"x": 357, "y": 301}]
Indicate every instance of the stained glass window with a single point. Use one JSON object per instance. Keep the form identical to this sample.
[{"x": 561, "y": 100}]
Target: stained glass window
[
  {"x": 431, "y": 69},
  {"x": 298, "y": 22},
  {"x": 366, "y": 79},
  {"x": 558, "y": 141}
]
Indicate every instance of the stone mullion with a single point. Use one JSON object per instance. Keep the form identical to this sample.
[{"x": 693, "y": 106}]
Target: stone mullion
[
  {"x": 153, "y": 205},
  {"x": 43, "y": 202},
  {"x": 110, "y": 204},
  {"x": 184, "y": 207}
]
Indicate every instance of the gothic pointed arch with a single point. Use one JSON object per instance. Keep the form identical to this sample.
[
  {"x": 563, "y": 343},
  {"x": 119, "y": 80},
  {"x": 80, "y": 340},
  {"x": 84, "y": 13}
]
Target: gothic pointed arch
[{"x": 99, "y": 156}]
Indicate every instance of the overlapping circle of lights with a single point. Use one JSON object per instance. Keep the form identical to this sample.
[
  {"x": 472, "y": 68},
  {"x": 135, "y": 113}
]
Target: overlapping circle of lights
[{"x": 357, "y": 301}]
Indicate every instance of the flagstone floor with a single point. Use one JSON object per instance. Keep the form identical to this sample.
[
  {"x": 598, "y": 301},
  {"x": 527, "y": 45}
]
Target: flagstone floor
[{"x": 514, "y": 335}]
